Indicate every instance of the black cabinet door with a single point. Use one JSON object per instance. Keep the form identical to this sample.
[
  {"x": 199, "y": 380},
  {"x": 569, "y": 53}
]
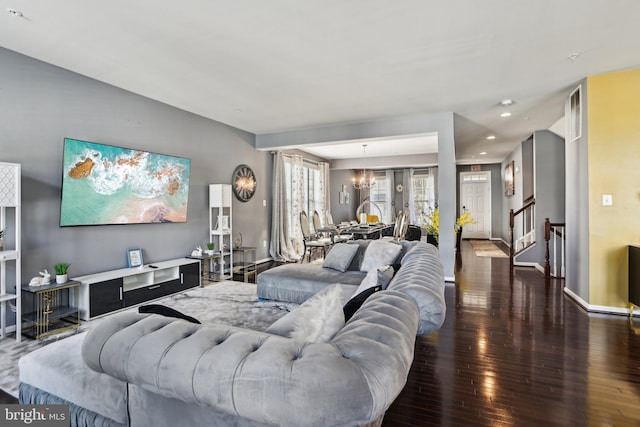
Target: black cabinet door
[
  {"x": 105, "y": 297},
  {"x": 148, "y": 293},
  {"x": 190, "y": 275}
]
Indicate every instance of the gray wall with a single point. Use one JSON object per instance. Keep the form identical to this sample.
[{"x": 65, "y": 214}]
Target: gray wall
[
  {"x": 441, "y": 123},
  {"x": 347, "y": 211},
  {"x": 549, "y": 165},
  {"x": 497, "y": 194},
  {"x": 577, "y": 207},
  {"x": 528, "y": 173},
  {"x": 41, "y": 104},
  {"x": 512, "y": 202}
]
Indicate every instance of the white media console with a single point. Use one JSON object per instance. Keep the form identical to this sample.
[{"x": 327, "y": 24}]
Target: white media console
[{"x": 109, "y": 291}]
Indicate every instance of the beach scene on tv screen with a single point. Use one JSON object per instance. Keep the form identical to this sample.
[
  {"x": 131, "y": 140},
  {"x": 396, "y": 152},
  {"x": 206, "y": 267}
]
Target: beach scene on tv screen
[{"x": 104, "y": 184}]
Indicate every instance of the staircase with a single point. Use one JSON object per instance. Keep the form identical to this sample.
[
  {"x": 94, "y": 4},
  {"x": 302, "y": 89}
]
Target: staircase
[
  {"x": 554, "y": 255},
  {"x": 524, "y": 235}
]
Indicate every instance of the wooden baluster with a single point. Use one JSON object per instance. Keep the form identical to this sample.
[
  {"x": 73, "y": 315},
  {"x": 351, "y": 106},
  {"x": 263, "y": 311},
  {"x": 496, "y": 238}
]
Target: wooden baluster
[
  {"x": 547, "y": 236},
  {"x": 511, "y": 248}
]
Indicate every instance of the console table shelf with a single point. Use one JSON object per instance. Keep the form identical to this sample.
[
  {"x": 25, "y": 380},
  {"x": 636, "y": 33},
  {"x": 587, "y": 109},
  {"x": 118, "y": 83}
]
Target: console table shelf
[
  {"x": 48, "y": 309},
  {"x": 109, "y": 291}
]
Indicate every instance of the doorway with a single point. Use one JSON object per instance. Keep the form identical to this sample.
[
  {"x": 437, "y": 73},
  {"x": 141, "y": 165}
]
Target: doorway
[{"x": 475, "y": 197}]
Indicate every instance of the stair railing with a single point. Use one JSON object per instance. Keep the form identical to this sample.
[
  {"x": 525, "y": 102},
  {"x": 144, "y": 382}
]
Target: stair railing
[
  {"x": 526, "y": 235},
  {"x": 554, "y": 232}
]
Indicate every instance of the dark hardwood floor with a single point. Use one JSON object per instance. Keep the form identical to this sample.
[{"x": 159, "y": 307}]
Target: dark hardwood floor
[{"x": 515, "y": 351}]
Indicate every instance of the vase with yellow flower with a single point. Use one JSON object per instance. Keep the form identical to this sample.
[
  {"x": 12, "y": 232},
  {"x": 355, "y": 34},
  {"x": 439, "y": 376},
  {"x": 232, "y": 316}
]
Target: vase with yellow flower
[{"x": 432, "y": 226}]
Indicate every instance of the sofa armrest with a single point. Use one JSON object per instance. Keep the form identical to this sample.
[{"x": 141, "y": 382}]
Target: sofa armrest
[{"x": 270, "y": 379}]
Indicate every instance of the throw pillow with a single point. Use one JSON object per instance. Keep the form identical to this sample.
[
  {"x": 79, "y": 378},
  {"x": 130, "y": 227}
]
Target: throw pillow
[
  {"x": 380, "y": 253},
  {"x": 340, "y": 256},
  {"x": 354, "y": 303},
  {"x": 378, "y": 277},
  {"x": 321, "y": 317},
  {"x": 166, "y": 311}
]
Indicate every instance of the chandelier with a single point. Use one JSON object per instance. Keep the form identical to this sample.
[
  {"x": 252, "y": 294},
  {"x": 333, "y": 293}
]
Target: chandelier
[{"x": 364, "y": 181}]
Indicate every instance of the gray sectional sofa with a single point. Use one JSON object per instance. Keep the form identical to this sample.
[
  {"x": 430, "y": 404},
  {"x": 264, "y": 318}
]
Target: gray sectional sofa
[{"x": 148, "y": 370}]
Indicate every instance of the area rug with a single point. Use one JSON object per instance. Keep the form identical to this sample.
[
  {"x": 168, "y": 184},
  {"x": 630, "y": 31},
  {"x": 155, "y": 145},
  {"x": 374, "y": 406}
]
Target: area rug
[
  {"x": 227, "y": 303},
  {"x": 486, "y": 248}
]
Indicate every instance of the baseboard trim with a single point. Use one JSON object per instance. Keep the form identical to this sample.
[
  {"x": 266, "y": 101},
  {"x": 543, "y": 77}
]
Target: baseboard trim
[
  {"x": 525, "y": 264},
  {"x": 591, "y": 308}
]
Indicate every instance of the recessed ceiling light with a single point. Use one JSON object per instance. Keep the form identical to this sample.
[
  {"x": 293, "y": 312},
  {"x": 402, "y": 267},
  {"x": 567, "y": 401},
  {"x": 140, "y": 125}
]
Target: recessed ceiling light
[
  {"x": 483, "y": 153},
  {"x": 506, "y": 102},
  {"x": 491, "y": 137},
  {"x": 572, "y": 57},
  {"x": 505, "y": 114},
  {"x": 15, "y": 13}
]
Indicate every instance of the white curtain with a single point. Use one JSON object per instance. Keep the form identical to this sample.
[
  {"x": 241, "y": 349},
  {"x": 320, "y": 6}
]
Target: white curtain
[
  {"x": 281, "y": 246},
  {"x": 408, "y": 194},
  {"x": 297, "y": 193},
  {"x": 324, "y": 204},
  {"x": 389, "y": 208}
]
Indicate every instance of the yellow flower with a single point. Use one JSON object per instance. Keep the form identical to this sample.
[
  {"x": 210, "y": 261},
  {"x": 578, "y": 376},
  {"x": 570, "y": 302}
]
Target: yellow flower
[
  {"x": 463, "y": 220},
  {"x": 433, "y": 222}
]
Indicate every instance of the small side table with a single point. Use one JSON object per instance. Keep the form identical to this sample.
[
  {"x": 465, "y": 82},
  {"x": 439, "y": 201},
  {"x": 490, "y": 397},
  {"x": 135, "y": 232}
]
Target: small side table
[
  {"x": 247, "y": 266},
  {"x": 208, "y": 266},
  {"x": 48, "y": 311}
]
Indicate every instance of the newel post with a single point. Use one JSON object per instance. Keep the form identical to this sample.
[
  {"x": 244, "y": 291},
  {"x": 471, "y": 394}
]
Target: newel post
[
  {"x": 511, "y": 248},
  {"x": 547, "y": 237}
]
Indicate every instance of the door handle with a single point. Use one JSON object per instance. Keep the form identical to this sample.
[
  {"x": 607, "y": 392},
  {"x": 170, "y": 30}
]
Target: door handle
[{"x": 153, "y": 287}]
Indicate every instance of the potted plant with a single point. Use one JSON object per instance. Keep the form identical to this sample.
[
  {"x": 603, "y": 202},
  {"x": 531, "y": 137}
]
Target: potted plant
[
  {"x": 432, "y": 226},
  {"x": 61, "y": 272},
  {"x": 463, "y": 220},
  {"x": 210, "y": 247}
]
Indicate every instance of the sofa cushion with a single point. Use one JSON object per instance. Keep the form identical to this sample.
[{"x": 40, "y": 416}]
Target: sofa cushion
[
  {"x": 284, "y": 326},
  {"x": 357, "y": 259},
  {"x": 321, "y": 317},
  {"x": 298, "y": 282},
  {"x": 354, "y": 303},
  {"x": 378, "y": 277},
  {"x": 58, "y": 369},
  {"x": 380, "y": 253},
  {"x": 340, "y": 256}
]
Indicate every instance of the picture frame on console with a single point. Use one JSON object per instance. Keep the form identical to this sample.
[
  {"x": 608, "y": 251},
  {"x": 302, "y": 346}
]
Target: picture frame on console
[{"x": 134, "y": 257}]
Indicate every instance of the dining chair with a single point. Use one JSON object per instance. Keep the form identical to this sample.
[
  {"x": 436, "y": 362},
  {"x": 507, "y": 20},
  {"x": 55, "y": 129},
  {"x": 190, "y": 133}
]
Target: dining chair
[
  {"x": 337, "y": 235},
  {"x": 310, "y": 240}
]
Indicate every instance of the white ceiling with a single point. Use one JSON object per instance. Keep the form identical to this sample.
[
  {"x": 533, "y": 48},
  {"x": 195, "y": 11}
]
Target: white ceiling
[
  {"x": 270, "y": 66},
  {"x": 378, "y": 147}
]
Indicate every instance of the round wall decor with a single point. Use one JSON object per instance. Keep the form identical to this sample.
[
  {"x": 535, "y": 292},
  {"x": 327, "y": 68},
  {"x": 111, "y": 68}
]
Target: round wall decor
[
  {"x": 243, "y": 183},
  {"x": 399, "y": 188}
]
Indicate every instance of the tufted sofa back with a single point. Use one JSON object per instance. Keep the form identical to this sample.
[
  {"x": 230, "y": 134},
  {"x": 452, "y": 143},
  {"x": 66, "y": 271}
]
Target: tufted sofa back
[
  {"x": 422, "y": 278},
  {"x": 270, "y": 379}
]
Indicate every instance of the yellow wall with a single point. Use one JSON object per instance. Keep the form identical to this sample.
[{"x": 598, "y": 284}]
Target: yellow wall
[{"x": 613, "y": 104}]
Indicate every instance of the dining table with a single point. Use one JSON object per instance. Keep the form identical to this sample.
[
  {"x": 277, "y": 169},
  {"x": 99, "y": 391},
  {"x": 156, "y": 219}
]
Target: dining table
[{"x": 359, "y": 231}]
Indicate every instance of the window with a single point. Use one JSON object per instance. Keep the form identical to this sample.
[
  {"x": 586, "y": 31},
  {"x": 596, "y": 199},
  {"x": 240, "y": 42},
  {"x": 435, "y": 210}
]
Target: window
[
  {"x": 305, "y": 195},
  {"x": 381, "y": 196},
  {"x": 575, "y": 115},
  {"x": 424, "y": 198}
]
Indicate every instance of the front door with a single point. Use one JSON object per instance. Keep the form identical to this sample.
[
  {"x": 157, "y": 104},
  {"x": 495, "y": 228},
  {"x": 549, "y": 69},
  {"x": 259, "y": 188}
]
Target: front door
[{"x": 475, "y": 197}]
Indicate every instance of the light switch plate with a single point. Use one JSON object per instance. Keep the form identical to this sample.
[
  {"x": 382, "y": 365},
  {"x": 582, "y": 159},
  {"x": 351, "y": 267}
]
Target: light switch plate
[{"x": 607, "y": 200}]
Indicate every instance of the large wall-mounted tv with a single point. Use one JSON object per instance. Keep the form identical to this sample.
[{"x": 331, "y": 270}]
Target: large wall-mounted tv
[{"x": 103, "y": 184}]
